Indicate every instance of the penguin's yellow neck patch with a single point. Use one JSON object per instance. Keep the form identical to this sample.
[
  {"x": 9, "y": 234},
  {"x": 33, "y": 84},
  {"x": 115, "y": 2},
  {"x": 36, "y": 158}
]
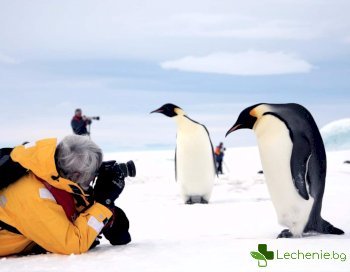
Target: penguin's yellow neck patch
[
  {"x": 179, "y": 111},
  {"x": 258, "y": 113}
]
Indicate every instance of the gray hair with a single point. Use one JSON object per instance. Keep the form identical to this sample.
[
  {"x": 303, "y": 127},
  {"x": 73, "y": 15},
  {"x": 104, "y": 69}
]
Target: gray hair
[{"x": 78, "y": 159}]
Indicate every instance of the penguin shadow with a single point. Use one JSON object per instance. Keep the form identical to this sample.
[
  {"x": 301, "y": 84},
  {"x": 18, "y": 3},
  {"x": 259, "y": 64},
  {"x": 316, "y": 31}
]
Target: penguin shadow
[{"x": 317, "y": 235}]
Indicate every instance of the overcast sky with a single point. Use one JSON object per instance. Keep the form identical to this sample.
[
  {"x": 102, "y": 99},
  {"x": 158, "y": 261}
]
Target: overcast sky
[{"x": 122, "y": 59}]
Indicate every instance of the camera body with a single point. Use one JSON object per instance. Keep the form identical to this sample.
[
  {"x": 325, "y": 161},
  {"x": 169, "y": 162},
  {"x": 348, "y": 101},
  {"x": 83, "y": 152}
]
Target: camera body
[{"x": 110, "y": 181}]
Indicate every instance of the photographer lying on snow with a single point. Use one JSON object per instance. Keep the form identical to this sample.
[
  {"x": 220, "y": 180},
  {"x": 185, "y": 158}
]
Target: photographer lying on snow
[{"x": 47, "y": 203}]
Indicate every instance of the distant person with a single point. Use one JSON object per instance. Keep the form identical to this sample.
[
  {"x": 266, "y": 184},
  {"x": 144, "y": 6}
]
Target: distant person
[
  {"x": 219, "y": 156},
  {"x": 80, "y": 122}
]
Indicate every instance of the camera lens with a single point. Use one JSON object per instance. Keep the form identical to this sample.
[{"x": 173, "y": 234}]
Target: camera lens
[
  {"x": 131, "y": 168},
  {"x": 123, "y": 169},
  {"x": 128, "y": 169}
]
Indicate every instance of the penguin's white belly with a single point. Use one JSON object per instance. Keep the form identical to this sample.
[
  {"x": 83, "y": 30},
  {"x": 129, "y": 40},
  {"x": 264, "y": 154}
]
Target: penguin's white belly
[
  {"x": 195, "y": 163},
  {"x": 275, "y": 148}
]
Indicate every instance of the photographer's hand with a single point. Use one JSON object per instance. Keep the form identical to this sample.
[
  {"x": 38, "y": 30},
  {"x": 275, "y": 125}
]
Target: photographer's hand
[
  {"x": 108, "y": 185},
  {"x": 87, "y": 120},
  {"x": 117, "y": 230}
]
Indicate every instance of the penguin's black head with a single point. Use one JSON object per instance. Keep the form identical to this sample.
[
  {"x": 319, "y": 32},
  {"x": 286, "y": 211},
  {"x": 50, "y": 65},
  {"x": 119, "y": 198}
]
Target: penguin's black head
[
  {"x": 169, "y": 110},
  {"x": 246, "y": 119}
]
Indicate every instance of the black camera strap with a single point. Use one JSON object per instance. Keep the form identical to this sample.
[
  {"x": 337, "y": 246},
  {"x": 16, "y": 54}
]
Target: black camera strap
[
  {"x": 10, "y": 171},
  {"x": 4, "y": 226}
]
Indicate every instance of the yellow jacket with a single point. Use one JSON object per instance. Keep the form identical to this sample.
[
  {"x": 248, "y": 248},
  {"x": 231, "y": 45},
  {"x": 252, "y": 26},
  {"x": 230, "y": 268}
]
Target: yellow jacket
[{"x": 29, "y": 206}]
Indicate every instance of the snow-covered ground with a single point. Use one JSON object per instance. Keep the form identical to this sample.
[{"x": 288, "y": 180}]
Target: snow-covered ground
[{"x": 170, "y": 236}]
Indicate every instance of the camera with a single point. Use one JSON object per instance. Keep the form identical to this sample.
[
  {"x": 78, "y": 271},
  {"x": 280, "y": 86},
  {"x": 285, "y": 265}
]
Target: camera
[
  {"x": 110, "y": 180},
  {"x": 111, "y": 170},
  {"x": 92, "y": 117},
  {"x": 89, "y": 118},
  {"x": 109, "y": 185}
]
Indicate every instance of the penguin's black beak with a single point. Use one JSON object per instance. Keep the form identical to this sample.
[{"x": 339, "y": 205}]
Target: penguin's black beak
[
  {"x": 246, "y": 119},
  {"x": 160, "y": 110},
  {"x": 234, "y": 127}
]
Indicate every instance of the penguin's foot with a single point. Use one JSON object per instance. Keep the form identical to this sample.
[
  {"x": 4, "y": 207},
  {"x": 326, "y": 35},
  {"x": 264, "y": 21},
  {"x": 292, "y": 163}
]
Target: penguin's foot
[
  {"x": 204, "y": 201},
  {"x": 285, "y": 234},
  {"x": 189, "y": 201},
  {"x": 196, "y": 199}
]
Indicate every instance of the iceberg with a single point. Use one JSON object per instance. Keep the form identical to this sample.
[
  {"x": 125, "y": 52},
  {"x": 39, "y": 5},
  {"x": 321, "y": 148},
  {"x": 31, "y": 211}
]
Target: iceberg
[{"x": 336, "y": 135}]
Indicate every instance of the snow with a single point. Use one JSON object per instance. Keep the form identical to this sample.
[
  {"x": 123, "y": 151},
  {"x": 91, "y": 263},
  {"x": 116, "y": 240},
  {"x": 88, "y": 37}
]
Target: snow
[
  {"x": 336, "y": 135},
  {"x": 170, "y": 236}
]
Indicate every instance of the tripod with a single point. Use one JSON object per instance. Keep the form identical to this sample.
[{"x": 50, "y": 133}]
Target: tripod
[{"x": 88, "y": 128}]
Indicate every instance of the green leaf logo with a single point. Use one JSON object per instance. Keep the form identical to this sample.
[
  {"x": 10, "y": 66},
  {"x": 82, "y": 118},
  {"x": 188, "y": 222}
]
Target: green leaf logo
[
  {"x": 260, "y": 257},
  {"x": 257, "y": 255}
]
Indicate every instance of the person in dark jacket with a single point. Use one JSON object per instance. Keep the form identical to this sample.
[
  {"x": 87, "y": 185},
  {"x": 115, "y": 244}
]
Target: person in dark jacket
[{"x": 79, "y": 123}]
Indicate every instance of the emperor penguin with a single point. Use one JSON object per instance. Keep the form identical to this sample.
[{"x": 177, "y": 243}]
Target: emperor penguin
[
  {"x": 195, "y": 168},
  {"x": 294, "y": 162}
]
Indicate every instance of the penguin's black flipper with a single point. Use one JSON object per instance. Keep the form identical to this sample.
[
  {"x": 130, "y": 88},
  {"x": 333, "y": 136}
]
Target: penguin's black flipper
[
  {"x": 301, "y": 154},
  {"x": 328, "y": 228},
  {"x": 212, "y": 151},
  {"x": 212, "y": 147}
]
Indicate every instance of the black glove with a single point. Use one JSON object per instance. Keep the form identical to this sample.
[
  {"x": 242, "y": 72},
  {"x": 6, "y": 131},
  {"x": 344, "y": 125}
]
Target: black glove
[
  {"x": 109, "y": 184},
  {"x": 117, "y": 230},
  {"x": 96, "y": 242}
]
